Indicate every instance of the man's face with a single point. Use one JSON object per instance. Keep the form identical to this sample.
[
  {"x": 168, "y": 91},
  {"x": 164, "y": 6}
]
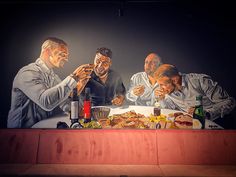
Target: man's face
[
  {"x": 166, "y": 85},
  {"x": 59, "y": 55},
  {"x": 101, "y": 64},
  {"x": 151, "y": 65}
]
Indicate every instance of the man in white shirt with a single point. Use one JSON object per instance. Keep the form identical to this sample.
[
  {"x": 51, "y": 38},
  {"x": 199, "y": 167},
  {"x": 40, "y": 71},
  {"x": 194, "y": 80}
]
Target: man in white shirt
[
  {"x": 37, "y": 92},
  {"x": 178, "y": 91},
  {"x": 142, "y": 84}
]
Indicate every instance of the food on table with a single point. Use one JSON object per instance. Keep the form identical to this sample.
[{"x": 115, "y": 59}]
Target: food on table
[
  {"x": 126, "y": 115},
  {"x": 197, "y": 124},
  {"x": 131, "y": 119},
  {"x": 184, "y": 121},
  {"x": 91, "y": 124}
]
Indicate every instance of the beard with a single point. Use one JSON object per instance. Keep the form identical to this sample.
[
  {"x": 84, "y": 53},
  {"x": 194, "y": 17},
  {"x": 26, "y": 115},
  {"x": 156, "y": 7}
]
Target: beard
[
  {"x": 100, "y": 71},
  {"x": 149, "y": 72}
]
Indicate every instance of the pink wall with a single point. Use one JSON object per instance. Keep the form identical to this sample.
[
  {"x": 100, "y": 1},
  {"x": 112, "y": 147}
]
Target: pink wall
[{"x": 149, "y": 147}]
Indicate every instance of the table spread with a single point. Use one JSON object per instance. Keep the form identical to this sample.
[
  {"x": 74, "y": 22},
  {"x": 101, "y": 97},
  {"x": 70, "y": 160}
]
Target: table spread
[{"x": 145, "y": 110}]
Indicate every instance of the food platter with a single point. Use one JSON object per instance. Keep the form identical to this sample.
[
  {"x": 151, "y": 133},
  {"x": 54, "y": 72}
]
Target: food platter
[{"x": 140, "y": 117}]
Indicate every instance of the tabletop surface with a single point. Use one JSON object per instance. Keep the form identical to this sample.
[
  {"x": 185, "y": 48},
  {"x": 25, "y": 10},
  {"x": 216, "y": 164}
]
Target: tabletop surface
[{"x": 145, "y": 110}]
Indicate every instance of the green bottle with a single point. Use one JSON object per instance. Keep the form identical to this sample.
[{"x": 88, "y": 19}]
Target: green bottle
[{"x": 198, "y": 111}]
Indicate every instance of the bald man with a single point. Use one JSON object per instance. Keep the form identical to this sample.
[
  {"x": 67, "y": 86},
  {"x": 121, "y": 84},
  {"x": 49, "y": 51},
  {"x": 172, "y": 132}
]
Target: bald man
[
  {"x": 178, "y": 91},
  {"x": 37, "y": 92},
  {"x": 143, "y": 84}
]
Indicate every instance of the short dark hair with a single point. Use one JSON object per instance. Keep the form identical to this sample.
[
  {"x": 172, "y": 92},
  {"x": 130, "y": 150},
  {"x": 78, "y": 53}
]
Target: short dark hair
[
  {"x": 105, "y": 51},
  {"x": 56, "y": 40}
]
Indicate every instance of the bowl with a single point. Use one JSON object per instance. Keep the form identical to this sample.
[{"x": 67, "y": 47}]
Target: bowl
[{"x": 100, "y": 112}]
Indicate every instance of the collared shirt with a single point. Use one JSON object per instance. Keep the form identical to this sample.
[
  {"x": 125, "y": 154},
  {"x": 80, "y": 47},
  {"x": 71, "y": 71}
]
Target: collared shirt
[
  {"x": 148, "y": 97},
  {"x": 103, "y": 93},
  {"x": 215, "y": 99},
  {"x": 36, "y": 93}
]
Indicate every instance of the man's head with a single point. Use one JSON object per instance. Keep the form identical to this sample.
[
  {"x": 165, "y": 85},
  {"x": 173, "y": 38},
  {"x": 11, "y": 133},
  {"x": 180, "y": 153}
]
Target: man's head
[
  {"x": 152, "y": 62},
  {"x": 54, "y": 52},
  {"x": 167, "y": 76},
  {"x": 102, "y": 61}
]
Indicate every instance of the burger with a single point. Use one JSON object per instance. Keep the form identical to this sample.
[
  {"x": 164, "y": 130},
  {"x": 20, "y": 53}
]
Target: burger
[{"x": 183, "y": 121}]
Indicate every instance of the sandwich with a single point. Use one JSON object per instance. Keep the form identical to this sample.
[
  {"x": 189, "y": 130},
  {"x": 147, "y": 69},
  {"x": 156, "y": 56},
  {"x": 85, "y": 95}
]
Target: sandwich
[{"x": 183, "y": 121}]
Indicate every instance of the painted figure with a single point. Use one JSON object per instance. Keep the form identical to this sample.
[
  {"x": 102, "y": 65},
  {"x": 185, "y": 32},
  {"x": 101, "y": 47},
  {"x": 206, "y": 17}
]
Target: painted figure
[
  {"x": 179, "y": 91},
  {"x": 37, "y": 92},
  {"x": 142, "y": 84},
  {"x": 106, "y": 85}
]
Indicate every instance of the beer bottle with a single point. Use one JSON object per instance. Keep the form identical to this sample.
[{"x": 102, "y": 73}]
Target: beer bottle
[
  {"x": 198, "y": 111},
  {"x": 74, "y": 111},
  {"x": 87, "y": 106}
]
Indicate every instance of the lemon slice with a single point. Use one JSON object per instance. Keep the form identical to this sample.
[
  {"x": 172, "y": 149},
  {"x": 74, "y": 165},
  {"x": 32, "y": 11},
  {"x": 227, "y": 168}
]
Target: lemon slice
[{"x": 197, "y": 124}]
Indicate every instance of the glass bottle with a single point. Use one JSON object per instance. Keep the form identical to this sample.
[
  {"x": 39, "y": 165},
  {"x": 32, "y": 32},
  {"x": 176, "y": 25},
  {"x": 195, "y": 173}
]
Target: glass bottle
[
  {"x": 74, "y": 113},
  {"x": 198, "y": 111}
]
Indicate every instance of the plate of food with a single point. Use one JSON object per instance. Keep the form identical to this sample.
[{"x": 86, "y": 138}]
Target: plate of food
[{"x": 142, "y": 117}]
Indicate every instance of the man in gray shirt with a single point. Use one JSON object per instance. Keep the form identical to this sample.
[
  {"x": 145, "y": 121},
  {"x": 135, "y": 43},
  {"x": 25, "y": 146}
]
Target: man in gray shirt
[
  {"x": 178, "y": 91},
  {"x": 37, "y": 92},
  {"x": 142, "y": 84}
]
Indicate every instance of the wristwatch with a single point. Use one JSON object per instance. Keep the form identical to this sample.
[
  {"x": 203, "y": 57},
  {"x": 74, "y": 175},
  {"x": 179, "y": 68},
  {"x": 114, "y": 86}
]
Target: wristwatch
[{"x": 74, "y": 77}]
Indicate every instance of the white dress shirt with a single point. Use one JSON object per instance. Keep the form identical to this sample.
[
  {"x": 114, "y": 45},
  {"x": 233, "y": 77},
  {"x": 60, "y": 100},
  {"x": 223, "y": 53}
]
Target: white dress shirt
[
  {"x": 148, "y": 97},
  {"x": 215, "y": 99},
  {"x": 36, "y": 92}
]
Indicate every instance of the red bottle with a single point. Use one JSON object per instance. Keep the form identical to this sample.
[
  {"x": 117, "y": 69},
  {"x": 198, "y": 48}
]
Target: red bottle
[{"x": 87, "y": 105}]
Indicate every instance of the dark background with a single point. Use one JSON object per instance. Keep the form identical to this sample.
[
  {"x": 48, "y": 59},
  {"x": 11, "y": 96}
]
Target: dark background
[{"x": 196, "y": 36}]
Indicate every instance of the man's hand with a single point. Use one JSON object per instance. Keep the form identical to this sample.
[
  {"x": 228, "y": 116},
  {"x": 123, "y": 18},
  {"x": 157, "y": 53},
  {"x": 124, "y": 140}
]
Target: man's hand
[
  {"x": 191, "y": 110},
  {"x": 159, "y": 93},
  {"x": 118, "y": 101},
  {"x": 83, "y": 72},
  {"x": 139, "y": 90}
]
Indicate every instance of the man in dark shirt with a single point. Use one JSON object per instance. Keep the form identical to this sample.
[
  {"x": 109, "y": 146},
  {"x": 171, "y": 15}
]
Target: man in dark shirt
[{"x": 106, "y": 86}]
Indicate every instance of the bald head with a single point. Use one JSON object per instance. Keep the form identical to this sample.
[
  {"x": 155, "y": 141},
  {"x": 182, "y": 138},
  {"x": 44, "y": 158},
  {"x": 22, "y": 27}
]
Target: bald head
[{"x": 152, "y": 62}]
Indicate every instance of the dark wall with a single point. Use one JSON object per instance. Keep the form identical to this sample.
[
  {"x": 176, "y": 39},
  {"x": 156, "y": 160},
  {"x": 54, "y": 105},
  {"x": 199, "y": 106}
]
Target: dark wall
[{"x": 195, "y": 36}]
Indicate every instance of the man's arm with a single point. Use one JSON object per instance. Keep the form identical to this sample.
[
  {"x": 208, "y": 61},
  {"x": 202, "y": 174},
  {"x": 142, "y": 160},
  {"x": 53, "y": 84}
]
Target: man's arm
[
  {"x": 120, "y": 93},
  {"x": 33, "y": 86},
  {"x": 222, "y": 103},
  {"x": 130, "y": 94}
]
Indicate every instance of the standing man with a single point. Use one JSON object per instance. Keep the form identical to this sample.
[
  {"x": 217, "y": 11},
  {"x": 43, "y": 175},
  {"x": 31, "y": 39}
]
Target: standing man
[
  {"x": 178, "y": 91},
  {"x": 106, "y": 85},
  {"x": 143, "y": 84},
  {"x": 37, "y": 92}
]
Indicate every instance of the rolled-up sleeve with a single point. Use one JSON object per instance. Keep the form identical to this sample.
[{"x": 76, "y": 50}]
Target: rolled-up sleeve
[
  {"x": 222, "y": 103},
  {"x": 33, "y": 85}
]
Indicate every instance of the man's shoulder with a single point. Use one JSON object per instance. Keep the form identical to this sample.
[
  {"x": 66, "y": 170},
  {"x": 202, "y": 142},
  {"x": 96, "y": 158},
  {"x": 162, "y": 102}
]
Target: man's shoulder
[
  {"x": 138, "y": 75},
  {"x": 30, "y": 67},
  {"x": 114, "y": 73},
  {"x": 195, "y": 75}
]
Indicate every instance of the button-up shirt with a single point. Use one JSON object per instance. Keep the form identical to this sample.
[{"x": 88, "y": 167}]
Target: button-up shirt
[
  {"x": 215, "y": 99},
  {"x": 36, "y": 94},
  {"x": 103, "y": 93},
  {"x": 148, "y": 97}
]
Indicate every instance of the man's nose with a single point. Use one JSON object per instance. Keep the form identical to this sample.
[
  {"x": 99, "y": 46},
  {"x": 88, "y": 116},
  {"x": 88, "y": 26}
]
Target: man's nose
[
  {"x": 66, "y": 59},
  {"x": 100, "y": 64}
]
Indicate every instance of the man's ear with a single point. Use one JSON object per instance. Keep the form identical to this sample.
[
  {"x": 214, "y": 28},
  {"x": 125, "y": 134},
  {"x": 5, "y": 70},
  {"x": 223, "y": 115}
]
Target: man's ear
[
  {"x": 175, "y": 80},
  {"x": 110, "y": 62}
]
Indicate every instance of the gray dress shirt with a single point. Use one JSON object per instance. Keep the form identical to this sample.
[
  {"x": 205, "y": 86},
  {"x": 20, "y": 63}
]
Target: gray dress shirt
[
  {"x": 148, "y": 97},
  {"x": 37, "y": 93},
  {"x": 215, "y": 99}
]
